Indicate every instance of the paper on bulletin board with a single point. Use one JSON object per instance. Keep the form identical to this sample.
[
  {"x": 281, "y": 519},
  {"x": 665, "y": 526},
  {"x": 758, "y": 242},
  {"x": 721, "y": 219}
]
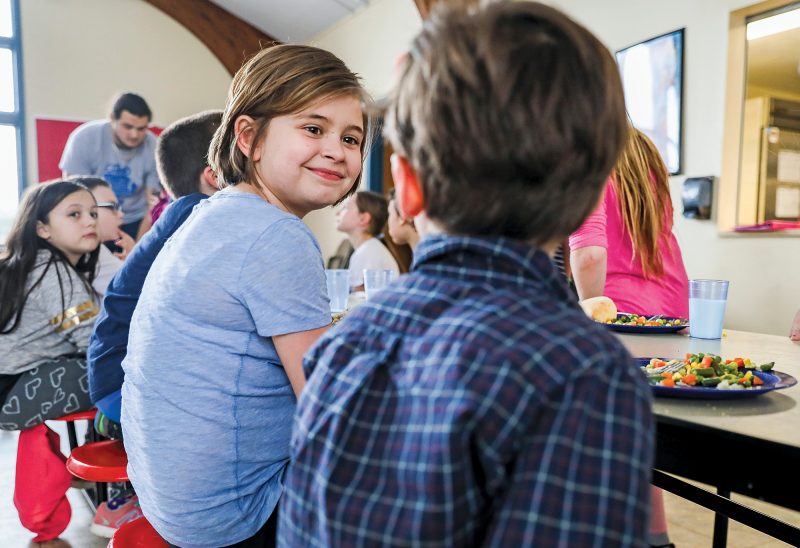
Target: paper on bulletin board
[
  {"x": 788, "y": 166},
  {"x": 787, "y": 202}
]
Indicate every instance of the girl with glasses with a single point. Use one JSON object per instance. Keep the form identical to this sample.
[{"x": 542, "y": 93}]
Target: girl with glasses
[{"x": 117, "y": 243}]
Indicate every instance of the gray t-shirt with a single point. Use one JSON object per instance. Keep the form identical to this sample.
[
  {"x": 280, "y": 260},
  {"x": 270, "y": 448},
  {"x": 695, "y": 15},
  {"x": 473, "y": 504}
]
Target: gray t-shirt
[
  {"x": 90, "y": 150},
  {"x": 48, "y": 328}
]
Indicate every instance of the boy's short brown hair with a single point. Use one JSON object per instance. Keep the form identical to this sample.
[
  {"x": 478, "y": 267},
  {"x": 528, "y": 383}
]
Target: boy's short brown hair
[
  {"x": 181, "y": 152},
  {"x": 277, "y": 81},
  {"x": 378, "y": 208},
  {"x": 512, "y": 116}
]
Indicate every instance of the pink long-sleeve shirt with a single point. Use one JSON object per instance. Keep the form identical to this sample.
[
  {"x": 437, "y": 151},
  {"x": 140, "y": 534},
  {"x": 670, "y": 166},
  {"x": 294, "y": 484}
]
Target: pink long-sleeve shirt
[{"x": 626, "y": 283}]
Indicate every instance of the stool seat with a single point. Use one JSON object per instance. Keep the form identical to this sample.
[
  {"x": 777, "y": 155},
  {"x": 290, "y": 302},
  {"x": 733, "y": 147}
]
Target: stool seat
[
  {"x": 103, "y": 461},
  {"x": 137, "y": 534},
  {"x": 87, "y": 415}
]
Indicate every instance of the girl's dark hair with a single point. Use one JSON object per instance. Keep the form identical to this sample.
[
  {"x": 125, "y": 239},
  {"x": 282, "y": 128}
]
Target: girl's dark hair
[{"x": 23, "y": 245}]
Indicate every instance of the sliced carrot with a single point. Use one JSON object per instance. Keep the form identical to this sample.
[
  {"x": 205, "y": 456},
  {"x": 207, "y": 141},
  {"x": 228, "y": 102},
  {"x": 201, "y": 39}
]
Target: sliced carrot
[
  {"x": 691, "y": 380},
  {"x": 706, "y": 361},
  {"x": 757, "y": 381},
  {"x": 668, "y": 382}
]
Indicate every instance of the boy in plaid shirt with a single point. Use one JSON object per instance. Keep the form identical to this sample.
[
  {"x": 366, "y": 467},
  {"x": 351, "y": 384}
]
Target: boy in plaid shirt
[{"x": 472, "y": 403}]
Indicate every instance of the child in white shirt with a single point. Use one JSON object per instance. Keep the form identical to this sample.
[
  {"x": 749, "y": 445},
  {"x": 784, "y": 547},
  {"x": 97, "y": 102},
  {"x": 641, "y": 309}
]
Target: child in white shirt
[{"x": 362, "y": 217}]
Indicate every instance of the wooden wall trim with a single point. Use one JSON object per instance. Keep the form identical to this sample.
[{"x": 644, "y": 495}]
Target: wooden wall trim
[
  {"x": 229, "y": 38},
  {"x": 424, "y": 7}
]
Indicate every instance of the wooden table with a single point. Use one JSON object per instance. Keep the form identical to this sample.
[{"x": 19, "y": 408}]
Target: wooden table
[{"x": 749, "y": 446}]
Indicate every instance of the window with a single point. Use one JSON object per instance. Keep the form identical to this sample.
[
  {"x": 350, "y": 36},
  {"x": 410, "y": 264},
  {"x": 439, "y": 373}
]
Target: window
[
  {"x": 11, "y": 115},
  {"x": 760, "y": 180}
]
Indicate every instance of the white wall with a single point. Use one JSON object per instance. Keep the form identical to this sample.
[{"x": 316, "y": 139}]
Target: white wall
[
  {"x": 77, "y": 54},
  {"x": 369, "y": 41}
]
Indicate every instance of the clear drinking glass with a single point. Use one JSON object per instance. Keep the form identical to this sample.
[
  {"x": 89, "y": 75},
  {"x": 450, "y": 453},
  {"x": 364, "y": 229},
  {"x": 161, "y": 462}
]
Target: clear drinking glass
[
  {"x": 707, "y": 300},
  {"x": 375, "y": 280},
  {"x": 338, "y": 289}
]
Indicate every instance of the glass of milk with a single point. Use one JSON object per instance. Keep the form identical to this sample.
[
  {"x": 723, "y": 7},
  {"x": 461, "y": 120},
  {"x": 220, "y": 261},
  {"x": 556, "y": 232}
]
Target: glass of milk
[{"x": 707, "y": 300}]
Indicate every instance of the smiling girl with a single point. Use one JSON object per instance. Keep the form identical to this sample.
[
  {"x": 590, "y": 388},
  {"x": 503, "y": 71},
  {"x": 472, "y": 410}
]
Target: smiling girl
[
  {"x": 233, "y": 301},
  {"x": 47, "y": 312}
]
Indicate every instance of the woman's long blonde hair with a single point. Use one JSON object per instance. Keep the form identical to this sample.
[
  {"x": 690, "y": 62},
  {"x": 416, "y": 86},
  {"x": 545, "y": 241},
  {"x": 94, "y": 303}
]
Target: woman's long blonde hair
[{"x": 645, "y": 205}]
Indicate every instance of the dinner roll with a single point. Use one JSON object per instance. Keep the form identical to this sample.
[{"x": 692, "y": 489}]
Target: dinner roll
[{"x": 600, "y": 309}]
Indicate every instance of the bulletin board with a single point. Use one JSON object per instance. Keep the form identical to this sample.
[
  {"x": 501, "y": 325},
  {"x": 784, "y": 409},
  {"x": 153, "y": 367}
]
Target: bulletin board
[{"x": 51, "y": 137}]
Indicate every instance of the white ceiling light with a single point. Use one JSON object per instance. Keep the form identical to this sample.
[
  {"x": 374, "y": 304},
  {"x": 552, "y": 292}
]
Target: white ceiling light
[{"x": 773, "y": 25}]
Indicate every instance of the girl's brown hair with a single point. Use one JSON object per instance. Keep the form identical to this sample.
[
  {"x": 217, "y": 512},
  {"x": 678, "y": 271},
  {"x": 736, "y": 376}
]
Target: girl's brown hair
[
  {"x": 642, "y": 184},
  {"x": 277, "y": 81}
]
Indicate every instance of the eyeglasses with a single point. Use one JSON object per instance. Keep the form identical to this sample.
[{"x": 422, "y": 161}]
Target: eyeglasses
[{"x": 113, "y": 206}]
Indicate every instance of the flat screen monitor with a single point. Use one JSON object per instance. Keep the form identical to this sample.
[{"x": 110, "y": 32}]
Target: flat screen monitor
[{"x": 652, "y": 77}]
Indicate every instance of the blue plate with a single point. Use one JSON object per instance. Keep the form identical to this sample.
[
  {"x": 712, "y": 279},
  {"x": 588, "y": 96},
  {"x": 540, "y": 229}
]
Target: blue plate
[
  {"x": 647, "y": 329},
  {"x": 774, "y": 380}
]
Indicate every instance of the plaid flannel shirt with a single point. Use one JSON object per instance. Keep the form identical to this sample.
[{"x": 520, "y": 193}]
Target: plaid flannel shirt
[{"x": 471, "y": 403}]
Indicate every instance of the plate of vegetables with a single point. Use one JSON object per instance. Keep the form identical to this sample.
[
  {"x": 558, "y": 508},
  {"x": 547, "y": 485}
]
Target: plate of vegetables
[
  {"x": 634, "y": 323},
  {"x": 708, "y": 376}
]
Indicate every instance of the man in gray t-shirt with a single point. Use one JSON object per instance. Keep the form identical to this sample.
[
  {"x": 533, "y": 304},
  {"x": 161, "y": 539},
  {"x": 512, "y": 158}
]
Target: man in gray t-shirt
[{"x": 120, "y": 150}]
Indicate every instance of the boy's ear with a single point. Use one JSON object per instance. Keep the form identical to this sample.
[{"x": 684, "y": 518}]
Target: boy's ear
[
  {"x": 42, "y": 231},
  {"x": 209, "y": 177},
  {"x": 408, "y": 188},
  {"x": 244, "y": 129}
]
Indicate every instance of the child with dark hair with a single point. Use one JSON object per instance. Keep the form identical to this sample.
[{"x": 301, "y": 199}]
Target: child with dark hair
[
  {"x": 362, "y": 217},
  {"x": 472, "y": 402},
  {"x": 109, "y": 230},
  {"x": 182, "y": 165},
  {"x": 181, "y": 155},
  {"x": 47, "y": 311}
]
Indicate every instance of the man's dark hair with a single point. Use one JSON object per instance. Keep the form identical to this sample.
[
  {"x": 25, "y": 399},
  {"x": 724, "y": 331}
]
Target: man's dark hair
[
  {"x": 182, "y": 151},
  {"x": 378, "y": 208},
  {"x": 511, "y": 116},
  {"x": 132, "y": 103}
]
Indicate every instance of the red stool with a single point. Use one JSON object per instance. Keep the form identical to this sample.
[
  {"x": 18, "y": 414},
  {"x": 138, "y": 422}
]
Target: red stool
[
  {"x": 137, "y": 534},
  {"x": 70, "y": 420},
  {"x": 102, "y": 461}
]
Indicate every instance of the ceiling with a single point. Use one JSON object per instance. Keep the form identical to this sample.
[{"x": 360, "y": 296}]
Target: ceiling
[
  {"x": 774, "y": 62},
  {"x": 291, "y": 21}
]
